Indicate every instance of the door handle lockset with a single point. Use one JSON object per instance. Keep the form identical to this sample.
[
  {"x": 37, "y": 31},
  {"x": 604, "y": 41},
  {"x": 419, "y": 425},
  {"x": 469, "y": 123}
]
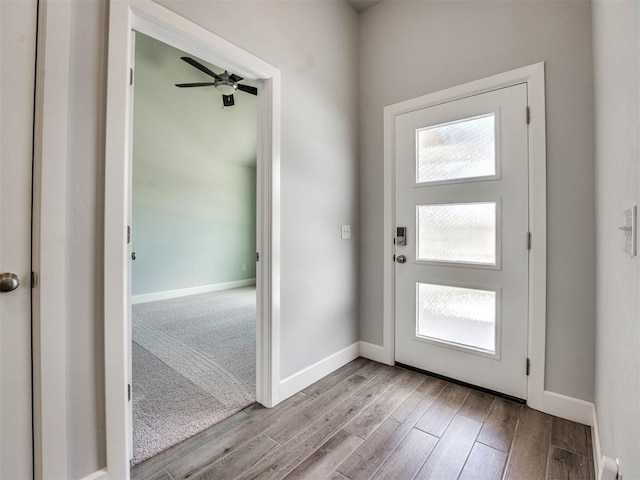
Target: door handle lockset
[
  {"x": 9, "y": 282},
  {"x": 401, "y": 259}
]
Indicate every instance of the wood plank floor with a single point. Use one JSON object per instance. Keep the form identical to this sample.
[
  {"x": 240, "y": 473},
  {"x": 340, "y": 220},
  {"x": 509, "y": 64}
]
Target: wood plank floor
[{"x": 372, "y": 421}]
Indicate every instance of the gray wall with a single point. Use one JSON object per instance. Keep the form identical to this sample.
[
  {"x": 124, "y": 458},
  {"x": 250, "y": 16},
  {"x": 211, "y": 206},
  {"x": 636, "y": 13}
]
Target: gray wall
[
  {"x": 616, "y": 32},
  {"x": 311, "y": 42},
  {"x": 194, "y": 177},
  {"x": 410, "y": 49}
]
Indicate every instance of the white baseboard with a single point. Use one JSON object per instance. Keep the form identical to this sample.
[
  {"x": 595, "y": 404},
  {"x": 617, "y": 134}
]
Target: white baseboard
[
  {"x": 569, "y": 408},
  {"x": 298, "y": 381},
  {"x": 183, "y": 292},
  {"x": 97, "y": 475},
  {"x": 373, "y": 352}
]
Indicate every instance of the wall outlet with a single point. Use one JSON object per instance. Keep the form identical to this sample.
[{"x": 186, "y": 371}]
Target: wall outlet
[
  {"x": 244, "y": 267},
  {"x": 346, "y": 232}
]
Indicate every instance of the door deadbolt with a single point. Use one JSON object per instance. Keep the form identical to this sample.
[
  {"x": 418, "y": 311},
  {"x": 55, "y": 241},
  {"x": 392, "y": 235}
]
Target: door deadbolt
[
  {"x": 9, "y": 282},
  {"x": 401, "y": 259},
  {"x": 401, "y": 236}
]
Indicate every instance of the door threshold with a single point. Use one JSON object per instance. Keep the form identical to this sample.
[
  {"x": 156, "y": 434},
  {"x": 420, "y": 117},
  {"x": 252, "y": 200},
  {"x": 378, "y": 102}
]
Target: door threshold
[{"x": 461, "y": 383}]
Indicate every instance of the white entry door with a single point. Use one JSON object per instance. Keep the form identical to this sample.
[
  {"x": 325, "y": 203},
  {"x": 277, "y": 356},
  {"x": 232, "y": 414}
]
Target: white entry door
[
  {"x": 462, "y": 275},
  {"x": 17, "y": 56}
]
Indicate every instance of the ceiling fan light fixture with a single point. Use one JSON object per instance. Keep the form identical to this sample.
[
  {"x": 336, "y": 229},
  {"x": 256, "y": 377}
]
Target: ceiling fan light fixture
[
  {"x": 225, "y": 83},
  {"x": 226, "y": 87}
]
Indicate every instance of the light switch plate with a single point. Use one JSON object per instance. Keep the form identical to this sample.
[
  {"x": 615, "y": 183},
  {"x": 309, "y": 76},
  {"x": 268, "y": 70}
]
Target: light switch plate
[
  {"x": 630, "y": 230},
  {"x": 346, "y": 232}
]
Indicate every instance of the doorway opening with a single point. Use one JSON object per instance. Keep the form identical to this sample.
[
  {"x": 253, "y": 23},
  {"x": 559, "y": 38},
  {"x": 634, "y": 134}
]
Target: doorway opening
[
  {"x": 126, "y": 19},
  {"x": 193, "y": 241}
]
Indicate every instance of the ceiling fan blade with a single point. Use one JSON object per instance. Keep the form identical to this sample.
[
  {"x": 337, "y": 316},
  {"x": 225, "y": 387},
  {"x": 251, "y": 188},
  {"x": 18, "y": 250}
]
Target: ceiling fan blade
[
  {"x": 200, "y": 67},
  {"x": 183, "y": 85},
  {"x": 248, "y": 89},
  {"x": 235, "y": 78},
  {"x": 227, "y": 100}
]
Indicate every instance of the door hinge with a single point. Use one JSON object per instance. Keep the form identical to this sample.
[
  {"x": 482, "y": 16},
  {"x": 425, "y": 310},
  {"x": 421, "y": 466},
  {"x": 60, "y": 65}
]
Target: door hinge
[
  {"x": 34, "y": 280},
  {"x": 128, "y": 392},
  {"x": 257, "y": 257},
  {"x": 528, "y": 240},
  {"x": 131, "y": 76},
  {"x": 528, "y": 367},
  {"x": 528, "y": 115},
  {"x": 128, "y": 234}
]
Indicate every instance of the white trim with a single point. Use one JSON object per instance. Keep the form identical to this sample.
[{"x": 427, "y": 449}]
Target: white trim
[
  {"x": 49, "y": 240},
  {"x": 533, "y": 76},
  {"x": 116, "y": 284},
  {"x": 185, "y": 292},
  {"x": 538, "y": 229},
  {"x": 154, "y": 20},
  {"x": 373, "y": 352},
  {"x": 302, "y": 379},
  {"x": 569, "y": 408},
  {"x": 595, "y": 440},
  {"x": 97, "y": 475}
]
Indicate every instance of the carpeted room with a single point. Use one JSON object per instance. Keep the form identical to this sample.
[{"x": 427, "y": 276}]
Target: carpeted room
[
  {"x": 193, "y": 365},
  {"x": 193, "y": 234}
]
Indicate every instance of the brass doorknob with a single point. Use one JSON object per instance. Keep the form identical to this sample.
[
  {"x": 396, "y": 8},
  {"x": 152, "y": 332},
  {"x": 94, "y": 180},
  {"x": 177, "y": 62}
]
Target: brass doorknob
[{"x": 9, "y": 282}]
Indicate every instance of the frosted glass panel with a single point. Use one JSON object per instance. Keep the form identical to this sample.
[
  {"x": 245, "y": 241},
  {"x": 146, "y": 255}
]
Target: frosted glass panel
[
  {"x": 461, "y": 232},
  {"x": 464, "y": 149},
  {"x": 463, "y": 316}
]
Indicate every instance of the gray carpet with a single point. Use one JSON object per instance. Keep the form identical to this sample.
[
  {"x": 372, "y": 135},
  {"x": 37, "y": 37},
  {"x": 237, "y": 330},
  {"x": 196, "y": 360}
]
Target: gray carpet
[{"x": 194, "y": 361}]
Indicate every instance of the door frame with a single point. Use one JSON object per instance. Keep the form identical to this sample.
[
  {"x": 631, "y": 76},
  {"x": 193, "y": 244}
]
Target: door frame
[
  {"x": 533, "y": 76},
  {"x": 49, "y": 240},
  {"x": 149, "y": 18}
]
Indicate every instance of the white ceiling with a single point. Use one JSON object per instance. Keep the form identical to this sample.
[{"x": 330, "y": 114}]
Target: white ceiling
[{"x": 361, "y": 5}]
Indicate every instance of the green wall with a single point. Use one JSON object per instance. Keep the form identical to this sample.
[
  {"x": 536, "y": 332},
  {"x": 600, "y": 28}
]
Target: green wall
[{"x": 194, "y": 177}]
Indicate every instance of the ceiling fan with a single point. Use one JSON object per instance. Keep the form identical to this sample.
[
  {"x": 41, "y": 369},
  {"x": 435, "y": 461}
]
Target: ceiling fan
[{"x": 226, "y": 83}]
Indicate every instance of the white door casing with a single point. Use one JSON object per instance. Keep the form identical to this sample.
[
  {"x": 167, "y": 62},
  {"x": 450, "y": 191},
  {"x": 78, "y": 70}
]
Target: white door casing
[
  {"x": 533, "y": 76},
  {"x": 17, "y": 54},
  {"x": 126, "y": 16},
  {"x": 130, "y": 252},
  {"x": 462, "y": 295}
]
